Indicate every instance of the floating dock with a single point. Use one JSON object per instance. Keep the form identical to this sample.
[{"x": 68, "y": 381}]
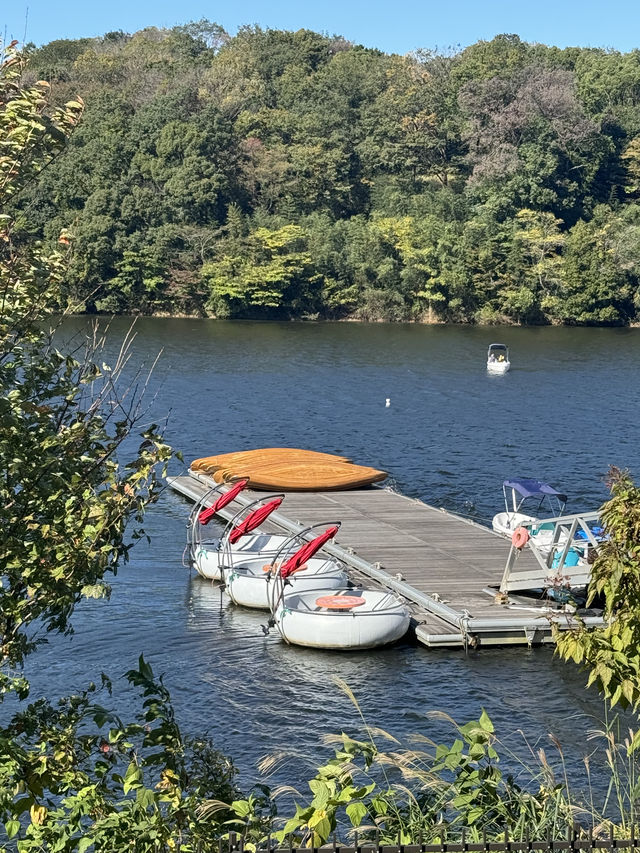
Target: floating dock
[{"x": 446, "y": 568}]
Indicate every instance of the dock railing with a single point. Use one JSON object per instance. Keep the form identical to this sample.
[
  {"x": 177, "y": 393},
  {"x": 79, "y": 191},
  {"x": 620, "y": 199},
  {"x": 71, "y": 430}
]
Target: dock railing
[{"x": 563, "y": 547}]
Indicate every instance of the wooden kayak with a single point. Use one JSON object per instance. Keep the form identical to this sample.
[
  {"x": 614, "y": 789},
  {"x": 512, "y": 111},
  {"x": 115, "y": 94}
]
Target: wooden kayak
[
  {"x": 262, "y": 456},
  {"x": 302, "y": 476}
]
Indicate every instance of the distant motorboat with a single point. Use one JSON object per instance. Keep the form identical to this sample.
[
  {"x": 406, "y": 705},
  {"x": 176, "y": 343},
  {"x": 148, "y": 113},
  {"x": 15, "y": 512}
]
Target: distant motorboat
[{"x": 498, "y": 358}]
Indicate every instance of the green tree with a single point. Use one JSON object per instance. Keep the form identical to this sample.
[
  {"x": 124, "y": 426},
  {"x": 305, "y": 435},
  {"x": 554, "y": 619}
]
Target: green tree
[
  {"x": 612, "y": 653},
  {"x": 530, "y": 140},
  {"x": 274, "y": 276},
  {"x": 421, "y": 284},
  {"x": 183, "y": 124},
  {"x": 414, "y": 126},
  {"x": 539, "y": 235},
  {"x": 631, "y": 160},
  {"x": 597, "y": 287}
]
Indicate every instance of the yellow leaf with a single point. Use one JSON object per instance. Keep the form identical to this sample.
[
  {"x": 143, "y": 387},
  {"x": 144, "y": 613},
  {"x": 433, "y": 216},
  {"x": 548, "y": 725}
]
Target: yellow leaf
[{"x": 38, "y": 814}]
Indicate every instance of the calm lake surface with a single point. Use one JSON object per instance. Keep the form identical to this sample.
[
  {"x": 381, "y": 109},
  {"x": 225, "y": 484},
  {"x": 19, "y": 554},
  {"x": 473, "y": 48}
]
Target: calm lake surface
[{"x": 568, "y": 409}]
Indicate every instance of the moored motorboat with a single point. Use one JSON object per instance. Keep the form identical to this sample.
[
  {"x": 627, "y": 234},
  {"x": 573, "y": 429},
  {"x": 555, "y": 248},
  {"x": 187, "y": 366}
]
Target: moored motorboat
[
  {"x": 538, "y": 497},
  {"x": 345, "y": 618},
  {"x": 543, "y": 502},
  {"x": 563, "y": 545},
  {"x": 498, "y": 358}
]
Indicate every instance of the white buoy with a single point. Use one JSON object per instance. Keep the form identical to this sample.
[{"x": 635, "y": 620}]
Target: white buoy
[{"x": 387, "y": 402}]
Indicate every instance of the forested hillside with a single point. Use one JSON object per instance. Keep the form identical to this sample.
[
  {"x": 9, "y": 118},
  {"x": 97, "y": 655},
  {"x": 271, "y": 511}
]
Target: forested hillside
[{"x": 292, "y": 174}]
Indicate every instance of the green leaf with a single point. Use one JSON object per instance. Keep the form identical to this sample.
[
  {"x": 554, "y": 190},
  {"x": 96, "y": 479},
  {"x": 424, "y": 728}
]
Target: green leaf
[
  {"x": 241, "y": 807},
  {"x": 323, "y": 828},
  {"x": 132, "y": 778},
  {"x": 473, "y": 814},
  {"x": 290, "y": 826},
  {"x": 485, "y": 722},
  {"x": 356, "y": 813},
  {"x": 12, "y": 827},
  {"x": 321, "y": 791}
]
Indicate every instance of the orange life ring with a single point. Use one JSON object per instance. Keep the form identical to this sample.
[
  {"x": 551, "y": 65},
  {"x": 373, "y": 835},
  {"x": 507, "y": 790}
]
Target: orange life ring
[
  {"x": 520, "y": 537},
  {"x": 340, "y": 602}
]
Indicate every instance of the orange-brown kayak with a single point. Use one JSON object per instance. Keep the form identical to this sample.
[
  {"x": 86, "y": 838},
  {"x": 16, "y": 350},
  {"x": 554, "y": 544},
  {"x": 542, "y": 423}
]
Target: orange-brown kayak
[
  {"x": 262, "y": 456},
  {"x": 302, "y": 476}
]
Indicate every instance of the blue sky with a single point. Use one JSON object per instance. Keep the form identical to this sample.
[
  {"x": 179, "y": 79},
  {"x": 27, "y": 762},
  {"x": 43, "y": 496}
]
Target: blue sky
[{"x": 398, "y": 26}]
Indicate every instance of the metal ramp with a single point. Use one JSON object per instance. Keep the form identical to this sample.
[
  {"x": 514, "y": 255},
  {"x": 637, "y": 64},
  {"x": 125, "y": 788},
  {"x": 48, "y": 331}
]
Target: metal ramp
[{"x": 563, "y": 548}]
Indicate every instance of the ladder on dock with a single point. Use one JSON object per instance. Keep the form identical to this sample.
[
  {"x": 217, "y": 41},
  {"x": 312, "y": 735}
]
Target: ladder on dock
[{"x": 566, "y": 537}]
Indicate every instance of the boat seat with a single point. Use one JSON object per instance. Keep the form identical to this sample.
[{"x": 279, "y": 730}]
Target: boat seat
[{"x": 339, "y": 602}]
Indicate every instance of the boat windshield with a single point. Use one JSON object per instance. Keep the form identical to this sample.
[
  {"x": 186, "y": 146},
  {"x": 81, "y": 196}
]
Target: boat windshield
[
  {"x": 498, "y": 352},
  {"x": 522, "y": 489}
]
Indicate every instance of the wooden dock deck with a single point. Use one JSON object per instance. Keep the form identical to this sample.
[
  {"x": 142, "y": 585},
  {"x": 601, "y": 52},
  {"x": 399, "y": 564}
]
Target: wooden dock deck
[{"x": 447, "y": 568}]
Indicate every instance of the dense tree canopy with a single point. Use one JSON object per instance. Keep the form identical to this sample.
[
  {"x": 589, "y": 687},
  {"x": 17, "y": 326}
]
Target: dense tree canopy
[{"x": 293, "y": 174}]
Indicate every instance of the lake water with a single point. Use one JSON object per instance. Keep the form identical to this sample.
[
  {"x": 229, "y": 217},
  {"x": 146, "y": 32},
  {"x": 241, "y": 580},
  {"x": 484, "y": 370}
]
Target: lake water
[{"x": 568, "y": 409}]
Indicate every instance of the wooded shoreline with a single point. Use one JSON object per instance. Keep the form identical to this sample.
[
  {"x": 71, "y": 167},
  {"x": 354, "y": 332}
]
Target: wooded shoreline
[{"x": 277, "y": 175}]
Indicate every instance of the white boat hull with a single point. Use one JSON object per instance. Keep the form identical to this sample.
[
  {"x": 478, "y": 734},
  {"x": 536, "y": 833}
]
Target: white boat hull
[
  {"x": 498, "y": 366},
  {"x": 209, "y": 557},
  {"x": 383, "y": 619},
  {"x": 250, "y": 586}
]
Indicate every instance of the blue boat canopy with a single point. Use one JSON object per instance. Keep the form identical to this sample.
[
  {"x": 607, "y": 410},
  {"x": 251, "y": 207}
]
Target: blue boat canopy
[{"x": 533, "y": 488}]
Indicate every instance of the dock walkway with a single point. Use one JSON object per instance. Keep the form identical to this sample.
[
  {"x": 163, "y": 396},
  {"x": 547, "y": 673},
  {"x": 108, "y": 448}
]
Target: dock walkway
[{"x": 447, "y": 568}]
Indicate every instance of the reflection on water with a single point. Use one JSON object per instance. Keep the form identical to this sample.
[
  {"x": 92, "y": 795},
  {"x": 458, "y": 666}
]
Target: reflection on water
[{"x": 451, "y": 434}]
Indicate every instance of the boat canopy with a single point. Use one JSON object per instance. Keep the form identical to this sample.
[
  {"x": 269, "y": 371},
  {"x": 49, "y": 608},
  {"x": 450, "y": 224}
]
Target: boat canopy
[
  {"x": 498, "y": 348},
  {"x": 529, "y": 488}
]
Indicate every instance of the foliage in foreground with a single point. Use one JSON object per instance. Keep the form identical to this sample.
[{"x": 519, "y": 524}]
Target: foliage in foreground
[
  {"x": 76, "y": 776},
  {"x": 426, "y": 791},
  {"x": 612, "y": 654},
  {"x": 72, "y": 775},
  {"x": 65, "y": 498}
]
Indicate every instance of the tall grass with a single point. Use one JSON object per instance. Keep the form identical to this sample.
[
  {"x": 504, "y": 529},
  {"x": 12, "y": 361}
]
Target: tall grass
[{"x": 419, "y": 790}]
